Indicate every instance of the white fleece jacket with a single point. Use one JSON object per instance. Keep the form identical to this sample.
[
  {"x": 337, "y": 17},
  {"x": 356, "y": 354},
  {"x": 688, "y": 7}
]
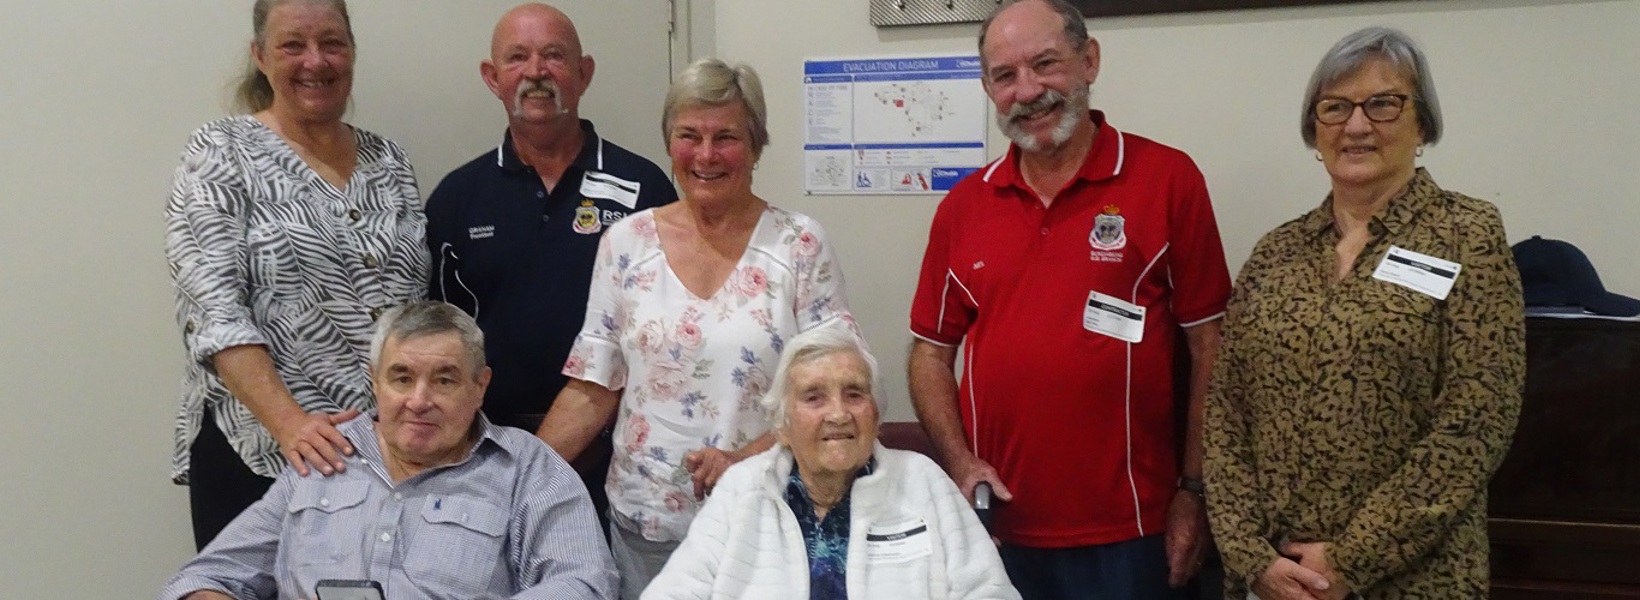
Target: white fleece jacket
[{"x": 912, "y": 536}]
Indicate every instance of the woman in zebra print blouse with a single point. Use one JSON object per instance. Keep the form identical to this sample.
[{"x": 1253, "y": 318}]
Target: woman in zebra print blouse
[{"x": 287, "y": 232}]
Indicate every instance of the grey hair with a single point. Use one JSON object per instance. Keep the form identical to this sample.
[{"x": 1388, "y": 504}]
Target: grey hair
[
  {"x": 810, "y": 346},
  {"x": 253, "y": 93},
  {"x": 1076, "y": 29},
  {"x": 711, "y": 82},
  {"x": 428, "y": 317},
  {"x": 1350, "y": 54}
]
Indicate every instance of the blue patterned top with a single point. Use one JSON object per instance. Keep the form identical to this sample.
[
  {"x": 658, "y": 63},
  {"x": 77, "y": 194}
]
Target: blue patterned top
[{"x": 826, "y": 540}]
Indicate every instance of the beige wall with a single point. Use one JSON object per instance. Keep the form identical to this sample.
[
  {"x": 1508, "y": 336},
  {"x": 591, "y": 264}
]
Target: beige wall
[
  {"x": 96, "y": 101},
  {"x": 1537, "y": 98}
]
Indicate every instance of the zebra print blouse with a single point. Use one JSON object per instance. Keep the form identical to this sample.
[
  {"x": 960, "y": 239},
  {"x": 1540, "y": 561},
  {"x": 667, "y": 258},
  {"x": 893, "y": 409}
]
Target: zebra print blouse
[{"x": 264, "y": 251}]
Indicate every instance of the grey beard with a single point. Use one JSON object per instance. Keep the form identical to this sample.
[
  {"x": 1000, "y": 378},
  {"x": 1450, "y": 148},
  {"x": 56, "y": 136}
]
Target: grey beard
[{"x": 1076, "y": 106}]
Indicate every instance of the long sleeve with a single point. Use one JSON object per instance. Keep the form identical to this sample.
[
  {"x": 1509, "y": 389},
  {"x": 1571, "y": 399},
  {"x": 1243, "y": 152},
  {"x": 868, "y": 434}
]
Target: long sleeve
[
  {"x": 973, "y": 568},
  {"x": 205, "y": 247},
  {"x": 1234, "y": 510},
  {"x": 1445, "y": 474},
  {"x": 563, "y": 553},
  {"x": 240, "y": 561}
]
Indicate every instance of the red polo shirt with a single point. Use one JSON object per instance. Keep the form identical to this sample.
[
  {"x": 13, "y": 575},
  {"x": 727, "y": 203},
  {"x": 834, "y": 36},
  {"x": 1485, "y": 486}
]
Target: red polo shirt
[{"x": 1079, "y": 424}]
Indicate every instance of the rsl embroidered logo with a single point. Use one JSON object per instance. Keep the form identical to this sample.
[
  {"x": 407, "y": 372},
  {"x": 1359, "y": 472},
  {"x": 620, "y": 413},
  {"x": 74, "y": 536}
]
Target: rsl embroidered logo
[
  {"x": 1109, "y": 236},
  {"x": 1108, "y": 230},
  {"x": 586, "y": 218}
]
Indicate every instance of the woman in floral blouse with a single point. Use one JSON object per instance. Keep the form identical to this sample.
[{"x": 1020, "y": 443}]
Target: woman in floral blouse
[
  {"x": 690, "y": 306},
  {"x": 1372, "y": 363}
]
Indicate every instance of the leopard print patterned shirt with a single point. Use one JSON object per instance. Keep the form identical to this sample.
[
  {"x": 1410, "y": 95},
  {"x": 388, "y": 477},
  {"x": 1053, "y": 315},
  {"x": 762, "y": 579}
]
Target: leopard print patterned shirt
[{"x": 1364, "y": 414}]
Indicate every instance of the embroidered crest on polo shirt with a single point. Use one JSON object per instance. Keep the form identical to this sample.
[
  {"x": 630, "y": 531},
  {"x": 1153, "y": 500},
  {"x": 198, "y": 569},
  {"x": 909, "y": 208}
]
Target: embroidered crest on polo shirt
[
  {"x": 586, "y": 218},
  {"x": 1109, "y": 235},
  {"x": 480, "y": 232}
]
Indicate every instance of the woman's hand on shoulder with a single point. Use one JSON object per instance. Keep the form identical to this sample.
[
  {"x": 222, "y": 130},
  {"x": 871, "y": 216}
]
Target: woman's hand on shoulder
[{"x": 312, "y": 439}]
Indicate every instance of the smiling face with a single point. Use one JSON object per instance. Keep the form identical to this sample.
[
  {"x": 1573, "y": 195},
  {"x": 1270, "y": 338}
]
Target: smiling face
[
  {"x": 1359, "y": 152},
  {"x": 536, "y": 67},
  {"x": 832, "y": 415},
  {"x": 1037, "y": 80},
  {"x": 307, "y": 55},
  {"x": 428, "y": 396},
  {"x": 712, "y": 153}
]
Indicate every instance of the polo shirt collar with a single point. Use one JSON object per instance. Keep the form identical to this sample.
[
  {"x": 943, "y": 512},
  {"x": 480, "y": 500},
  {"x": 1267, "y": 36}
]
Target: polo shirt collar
[
  {"x": 1104, "y": 159},
  {"x": 1403, "y": 209},
  {"x": 591, "y": 157}
]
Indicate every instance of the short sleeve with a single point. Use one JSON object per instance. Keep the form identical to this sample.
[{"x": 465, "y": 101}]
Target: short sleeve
[
  {"x": 1201, "y": 281},
  {"x": 822, "y": 297},
  {"x": 205, "y": 247},
  {"x": 596, "y": 355},
  {"x": 941, "y": 312}
]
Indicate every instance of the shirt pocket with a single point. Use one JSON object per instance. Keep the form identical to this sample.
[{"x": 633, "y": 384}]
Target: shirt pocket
[
  {"x": 321, "y": 514},
  {"x": 458, "y": 543}
]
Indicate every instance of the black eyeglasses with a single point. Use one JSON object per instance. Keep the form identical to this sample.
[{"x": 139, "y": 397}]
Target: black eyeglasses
[{"x": 1379, "y": 109}]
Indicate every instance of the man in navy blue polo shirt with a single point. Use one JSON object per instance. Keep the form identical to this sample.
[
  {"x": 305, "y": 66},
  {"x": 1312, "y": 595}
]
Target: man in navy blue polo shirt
[{"x": 514, "y": 232}]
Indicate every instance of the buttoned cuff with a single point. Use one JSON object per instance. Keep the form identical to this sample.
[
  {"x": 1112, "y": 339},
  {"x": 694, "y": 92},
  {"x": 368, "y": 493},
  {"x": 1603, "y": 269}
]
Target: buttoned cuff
[{"x": 205, "y": 334}]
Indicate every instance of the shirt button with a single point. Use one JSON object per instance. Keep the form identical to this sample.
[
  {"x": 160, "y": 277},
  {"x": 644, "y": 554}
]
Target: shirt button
[
  {"x": 324, "y": 502},
  {"x": 540, "y": 194},
  {"x": 375, "y": 313},
  {"x": 387, "y": 537},
  {"x": 1044, "y": 231},
  {"x": 355, "y": 215},
  {"x": 370, "y": 260},
  {"x": 189, "y": 328},
  {"x": 398, "y": 496},
  {"x": 545, "y": 218}
]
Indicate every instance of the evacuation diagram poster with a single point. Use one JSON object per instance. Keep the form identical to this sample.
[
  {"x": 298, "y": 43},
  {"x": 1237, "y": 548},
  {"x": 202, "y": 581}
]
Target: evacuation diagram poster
[{"x": 892, "y": 125}]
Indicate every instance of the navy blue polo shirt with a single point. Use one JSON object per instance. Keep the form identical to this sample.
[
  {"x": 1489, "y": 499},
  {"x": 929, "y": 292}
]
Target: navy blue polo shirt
[{"x": 519, "y": 258}]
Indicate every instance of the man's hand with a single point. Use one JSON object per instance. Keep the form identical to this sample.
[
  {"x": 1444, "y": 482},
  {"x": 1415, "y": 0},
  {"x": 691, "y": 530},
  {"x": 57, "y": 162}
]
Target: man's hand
[
  {"x": 968, "y": 470},
  {"x": 1287, "y": 580},
  {"x": 1186, "y": 538},
  {"x": 312, "y": 438},
  {"x": 705, "y": 466},
  {"x": 1313, "y": 556}
]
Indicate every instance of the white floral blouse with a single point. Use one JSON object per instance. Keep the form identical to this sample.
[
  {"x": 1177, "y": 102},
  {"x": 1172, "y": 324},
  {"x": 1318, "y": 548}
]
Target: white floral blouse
[{"x": 691, "y": 370}]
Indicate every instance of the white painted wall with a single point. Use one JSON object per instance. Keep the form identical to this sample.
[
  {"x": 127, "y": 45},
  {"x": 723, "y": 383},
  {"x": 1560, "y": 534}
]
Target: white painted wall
[
  {"x": 96, "y": 101},
  {"x": 1538, "y": 98}
]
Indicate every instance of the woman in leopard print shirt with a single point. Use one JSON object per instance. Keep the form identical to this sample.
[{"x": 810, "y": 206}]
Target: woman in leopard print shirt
[{"x": 1373, "y": 360}]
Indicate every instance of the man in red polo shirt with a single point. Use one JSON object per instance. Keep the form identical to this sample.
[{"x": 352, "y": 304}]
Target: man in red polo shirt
[{"x": 1065, "y": 269}]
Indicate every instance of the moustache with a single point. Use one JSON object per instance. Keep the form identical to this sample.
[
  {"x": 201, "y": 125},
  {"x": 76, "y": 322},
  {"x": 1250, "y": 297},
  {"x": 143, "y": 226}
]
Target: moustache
[
  {"x": 527, "y": 86},
  {"x": 1048, "y": 99}
]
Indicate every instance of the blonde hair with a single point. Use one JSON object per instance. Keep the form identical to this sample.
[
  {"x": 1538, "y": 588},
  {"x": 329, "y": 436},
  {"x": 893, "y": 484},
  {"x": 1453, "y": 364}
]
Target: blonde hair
[
  {"x": 713, "y": 82},
  {"x": 253, "y": 92}
]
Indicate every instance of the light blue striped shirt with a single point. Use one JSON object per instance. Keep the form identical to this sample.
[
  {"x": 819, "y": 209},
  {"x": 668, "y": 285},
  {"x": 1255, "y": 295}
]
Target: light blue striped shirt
[{"x": 512, "y": 520}]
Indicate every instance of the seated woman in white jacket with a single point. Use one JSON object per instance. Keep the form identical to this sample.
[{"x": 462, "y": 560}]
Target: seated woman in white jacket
[{"x": 827, "y": 512}]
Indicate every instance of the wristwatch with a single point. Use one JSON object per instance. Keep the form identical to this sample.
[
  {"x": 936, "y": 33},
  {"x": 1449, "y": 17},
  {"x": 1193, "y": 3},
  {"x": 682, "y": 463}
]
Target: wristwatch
[{"x": 1194, "y": 486}]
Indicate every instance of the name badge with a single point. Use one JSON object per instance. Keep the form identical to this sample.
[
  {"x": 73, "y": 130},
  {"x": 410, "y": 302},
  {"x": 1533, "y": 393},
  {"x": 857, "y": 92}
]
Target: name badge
[
  {"x": 1112, "y": 316},
  {"x": 898, "y": 542},
  {"x": 603, "y": 185},
  {"x": 1421, "y": 273}
]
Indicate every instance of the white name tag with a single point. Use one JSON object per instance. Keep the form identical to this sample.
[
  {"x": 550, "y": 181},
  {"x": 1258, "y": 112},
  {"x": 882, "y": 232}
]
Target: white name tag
[
  {"x": 603, "y": 185},
  {"x": 1112, "y": 316},
  {"x": 1421, "y": 273},
  {"x": 898, "y": 542}
]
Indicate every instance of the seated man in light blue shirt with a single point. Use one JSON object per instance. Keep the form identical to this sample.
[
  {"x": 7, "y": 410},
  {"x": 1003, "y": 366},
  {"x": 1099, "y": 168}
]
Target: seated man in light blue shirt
[{"x": 436, "y": 503}]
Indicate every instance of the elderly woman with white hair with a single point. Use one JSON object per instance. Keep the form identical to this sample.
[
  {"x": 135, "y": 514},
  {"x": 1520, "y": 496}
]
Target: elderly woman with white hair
[
  {"x": 829, "y": 512},
  {"x": 1373, "y": 360},
  {"x": 689, "y": 307}
]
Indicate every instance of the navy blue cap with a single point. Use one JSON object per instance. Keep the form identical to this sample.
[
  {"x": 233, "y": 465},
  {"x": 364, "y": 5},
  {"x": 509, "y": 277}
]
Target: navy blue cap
[{"x": 1556, "y": 273}]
